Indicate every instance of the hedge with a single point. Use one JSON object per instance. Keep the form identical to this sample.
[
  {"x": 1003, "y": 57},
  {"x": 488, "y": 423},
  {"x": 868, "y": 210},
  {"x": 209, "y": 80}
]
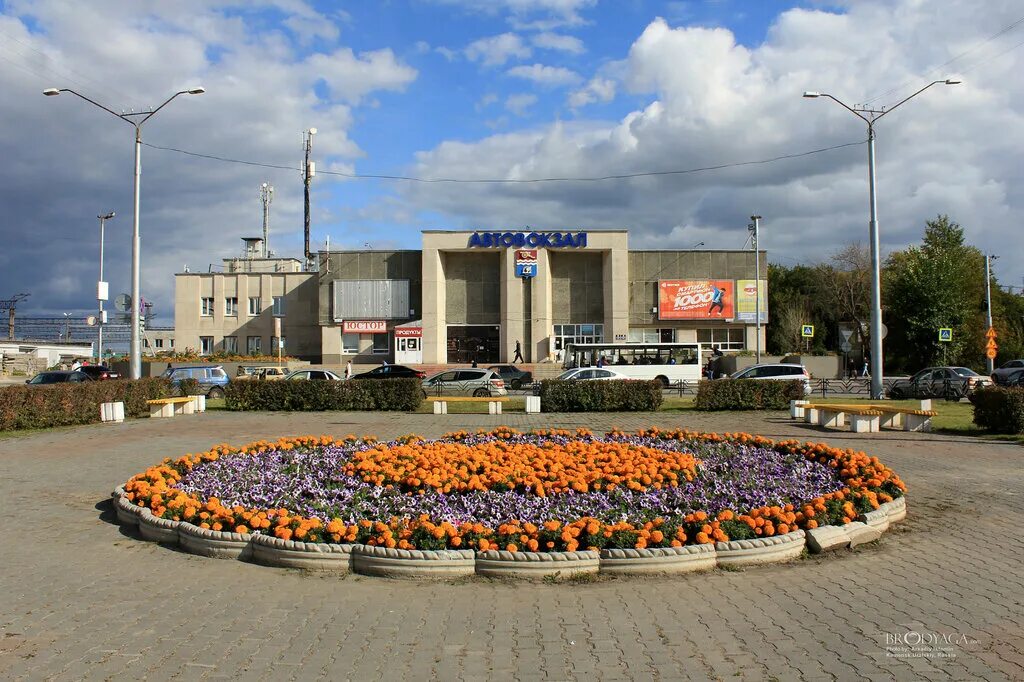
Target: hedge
[
  {"x": 747, "y": 394},
  {"x": 999, "y": 409},
  {"x": 318, "y": 396},
  {"x": 44, "y": 406},
  {"x": 600, "y": 396}
]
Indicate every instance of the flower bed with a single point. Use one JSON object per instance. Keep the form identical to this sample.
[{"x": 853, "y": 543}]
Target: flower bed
[{"x": 546, "y": 491}]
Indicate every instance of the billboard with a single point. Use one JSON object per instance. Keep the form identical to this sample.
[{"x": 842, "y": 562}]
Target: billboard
[
  {"x": 364, "y": 327},
  {"x": 746, "y": 297},
  {"x": 696, "y": 299}
]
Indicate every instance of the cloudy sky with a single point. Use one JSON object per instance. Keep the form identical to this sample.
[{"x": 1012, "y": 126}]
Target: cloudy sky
[{"x": 496, "y": 90}]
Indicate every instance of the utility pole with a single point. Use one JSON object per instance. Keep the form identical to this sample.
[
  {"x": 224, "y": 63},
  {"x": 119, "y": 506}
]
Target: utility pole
[
  {"x": 102, "y": 293},
  {"x": 10, "y": 304},
  {"x": 989, "y": 362},
  {"x": 755, "y": 227},
  {"x": 308, "y": 171},
  {"x": 267, "y": 196}
]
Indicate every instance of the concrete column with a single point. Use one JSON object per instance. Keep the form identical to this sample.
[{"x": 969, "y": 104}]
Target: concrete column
[
  {"x": 511, "y": 306},
  {"x": 616, "y": 294},
  {"x": 541, "y": 324},
  {"x": 218, "y": 311},
  {"x": 330, "y": 344},
  {"x": 435, "y": 330}
]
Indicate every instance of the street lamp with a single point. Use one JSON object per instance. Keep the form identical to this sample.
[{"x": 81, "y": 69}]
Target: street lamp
[
  {"x": 102, "y": 293},
  {"x": 755, "y": 229},
  {"x": 135, "y": 358},
  {"x": 870, "y": 116}
]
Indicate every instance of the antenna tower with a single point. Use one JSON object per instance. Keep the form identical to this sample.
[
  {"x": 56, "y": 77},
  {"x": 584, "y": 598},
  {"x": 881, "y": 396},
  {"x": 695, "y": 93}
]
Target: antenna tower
[{"x": 266, "y": 196}]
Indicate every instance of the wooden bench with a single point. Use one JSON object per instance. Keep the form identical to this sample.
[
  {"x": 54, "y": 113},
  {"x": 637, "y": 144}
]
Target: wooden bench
[
  {"x": 493, "y": 404},
  {"x": 875, "y": 416},
  {"x": 170, "y": 407}
]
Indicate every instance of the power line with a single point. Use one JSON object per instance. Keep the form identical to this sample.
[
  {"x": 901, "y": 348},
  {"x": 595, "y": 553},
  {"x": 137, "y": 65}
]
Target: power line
[
  {"x": 622, "y": 176},
  {"x": 933, "y": 71}
]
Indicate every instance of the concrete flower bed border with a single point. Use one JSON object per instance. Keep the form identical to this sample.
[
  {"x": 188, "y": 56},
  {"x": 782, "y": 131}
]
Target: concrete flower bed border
[{"x": 450, "y": 563}]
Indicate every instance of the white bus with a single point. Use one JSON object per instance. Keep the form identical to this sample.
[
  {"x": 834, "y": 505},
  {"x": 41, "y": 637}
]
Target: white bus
[{"x": 666, "y": 362}]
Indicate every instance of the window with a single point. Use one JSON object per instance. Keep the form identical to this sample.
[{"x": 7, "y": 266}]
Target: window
[
  {"x": 731, "y": 338},
  {"x": 350, "y": 344},
  {"x": 207, "y": 306},
  {"x": 471, "y": 375},
  {"x": 172, "y": 343},
  {"x": 279, "y": 306},
  {"x": 159, "y": 343},
  {"x": 254, "y": 306},
  {"x": 206, "y": 344},
  {"x": 252, "y": 345},
  {"x": 145, "y": 342},
  {"x": 231, "y": 306},
  {"x": 231, "y": 344},
  {"x": 380, "y": 344},
  {"x": 577, "y": 333}
]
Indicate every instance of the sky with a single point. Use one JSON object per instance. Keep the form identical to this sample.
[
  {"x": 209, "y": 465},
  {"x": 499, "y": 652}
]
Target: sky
[{"x": 498, "y": 90}]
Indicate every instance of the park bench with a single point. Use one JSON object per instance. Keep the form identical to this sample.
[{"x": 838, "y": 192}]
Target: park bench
[
  {"x": 493, "y": 404},
  {"x": 170, "y": 407},
  {"x": 867, "y": 418}
]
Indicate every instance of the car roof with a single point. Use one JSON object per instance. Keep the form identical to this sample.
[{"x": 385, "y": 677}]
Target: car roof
[{"x": 195, "y": 367}]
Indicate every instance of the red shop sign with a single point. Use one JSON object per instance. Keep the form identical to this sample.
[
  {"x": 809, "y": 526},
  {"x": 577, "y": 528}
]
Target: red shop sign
[
  {"x": 365, "y": 327},
  {"x": 408, "y": 331}
]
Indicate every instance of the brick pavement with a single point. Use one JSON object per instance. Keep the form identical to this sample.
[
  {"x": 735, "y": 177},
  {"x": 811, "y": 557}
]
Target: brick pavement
[{"x": 81, "y": 599}]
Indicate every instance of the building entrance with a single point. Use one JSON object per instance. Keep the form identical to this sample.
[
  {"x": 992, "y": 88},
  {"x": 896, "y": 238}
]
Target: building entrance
[{"x": 473, "y": 342}]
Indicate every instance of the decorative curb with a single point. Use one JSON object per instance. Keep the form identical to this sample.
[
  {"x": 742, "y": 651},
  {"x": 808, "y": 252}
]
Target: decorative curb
[
  {"x": 214, "y": 543},
  {"x": 760, "y": 550},
  {"x": 156, "y": 529},
  {"x": 412, "y": 563},
  {"x": 877, "y": 519},
  {"x": 128, "y": 513},
  {"x": 897, "y": 509},
  {"x": 659, "y": 559},
  {"x": 313, "y": 556},
  {"x": 535, "y": 565}
]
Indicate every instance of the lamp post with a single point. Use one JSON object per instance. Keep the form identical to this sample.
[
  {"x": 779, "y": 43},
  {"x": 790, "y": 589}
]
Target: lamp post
[
  {"x": 135, "y": 357},
  {"x": 755, "y": 228},
  {"x": 102, "y": 293},
  {"x": 989, "y": 362},
  {"x": 871, "y": 116}
]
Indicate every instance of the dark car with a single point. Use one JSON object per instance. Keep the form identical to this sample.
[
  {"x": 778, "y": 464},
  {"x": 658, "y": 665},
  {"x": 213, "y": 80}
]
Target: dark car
[
  {"x": 1014, "y": 379},
  {"x": 57, "y": 377},
  {"x": 514, "y": 377},
  {"x": 392, "y": 372},
  {"x": 99, "y": 372},
  {"x": 951, "y": 383},
  {"x": 1001, "y": 375},
  {"x": 212, "y": 378}
]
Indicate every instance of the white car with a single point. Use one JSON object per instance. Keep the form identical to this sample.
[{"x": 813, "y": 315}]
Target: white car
[
  {"x": 312, "y": 375},
  {"x": 778, "y": 372},
  {"x": 592, "y": 374}
]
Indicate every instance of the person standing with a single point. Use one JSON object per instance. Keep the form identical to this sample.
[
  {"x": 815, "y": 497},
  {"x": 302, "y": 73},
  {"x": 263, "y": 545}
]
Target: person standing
[
  {"x": 519, "y": 353},
  {"x": 717, "y": 296},
  {"x": 348, "y": 369}
]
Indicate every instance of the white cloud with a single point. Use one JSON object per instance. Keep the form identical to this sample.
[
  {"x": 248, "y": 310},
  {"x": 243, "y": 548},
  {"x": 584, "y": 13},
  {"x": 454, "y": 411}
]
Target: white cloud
[
  {"x": 350, "y": 78},
  {"x": 707, "y": 100},
  {"x": 542, "y": 74},
  {"x": 558, "y": 41},
  {"x": 540, "y": 15},
  {"x": 597, "y": 90},
  {"x": 518, "y": 104},
  {"x": 487, "y": 100},
  {"x": 496, "y": 50}
]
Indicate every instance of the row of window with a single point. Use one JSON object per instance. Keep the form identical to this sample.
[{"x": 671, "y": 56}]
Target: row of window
[
  {"x": 725, "y": 338},
  {"x": 350, "y": 343},
  {"x": 157, "y": 343},
  {"x": 253, "y": 345},
  {"x": 231, "y": 306}
]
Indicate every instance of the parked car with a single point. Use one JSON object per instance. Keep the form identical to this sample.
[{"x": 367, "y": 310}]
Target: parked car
[
  {"x": 782, "y": 371},
  {"x": 58, "y": 377},
  {"x": 212, "y": 378},
  {"x": 1015, "y": 379},
  {"x": 99, "y": 372},
  {"x": 513, "y": 377},
  {"x": 312, "y": 375},
  {"x": 951, "y": 383},
  {"x": 270, "y": 373},
  {"x": 247, "y": 371},
  {"x": 392, "y": 372},
  {"x": 592, "y": 374},
  {"x": 1001, "y": 375},
  {"x": 475, "y": 382}
]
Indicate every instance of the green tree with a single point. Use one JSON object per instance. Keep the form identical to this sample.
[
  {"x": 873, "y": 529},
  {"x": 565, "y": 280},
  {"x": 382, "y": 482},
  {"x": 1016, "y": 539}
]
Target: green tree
[{"x": 938, "y": 284}]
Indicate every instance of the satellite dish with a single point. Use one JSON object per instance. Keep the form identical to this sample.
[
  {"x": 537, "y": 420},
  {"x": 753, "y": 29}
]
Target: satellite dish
[
  {"x": 91, "y": 320},
  {"x": 123, "y": 303}
]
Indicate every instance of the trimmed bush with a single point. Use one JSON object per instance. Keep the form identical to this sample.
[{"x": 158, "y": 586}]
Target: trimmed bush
[
  {"x": 999, "y": 409},
  {"x": 600, "y": 396},
  {"x": 38, "y": 407},
  {"x": 317, "y": 396},
  {"x": 189, "y": 386},
  {"x": 747, "y": 394}
]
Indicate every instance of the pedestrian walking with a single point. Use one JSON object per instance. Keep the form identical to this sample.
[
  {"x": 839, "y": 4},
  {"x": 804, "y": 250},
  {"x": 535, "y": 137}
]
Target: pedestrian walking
[
  {"x": 519, "y": 353},
  {"x": 866, "y": 371},
  {"x": 348, "y": 369}
]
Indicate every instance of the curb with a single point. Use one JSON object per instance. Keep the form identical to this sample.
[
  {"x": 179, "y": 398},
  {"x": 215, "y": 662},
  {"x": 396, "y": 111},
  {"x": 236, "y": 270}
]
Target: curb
[
  {"x": 313, "y": 556},
  {"x": 156, "y": 529},
  {"x": 768, "y": 550},
  {"x": 673, "y": 560},
  {"x": 536, "y": 565},
  {"x": 412, "y": 563},
  {"x": 128, "y": 513},
  {"x": 212, "y": 543}
]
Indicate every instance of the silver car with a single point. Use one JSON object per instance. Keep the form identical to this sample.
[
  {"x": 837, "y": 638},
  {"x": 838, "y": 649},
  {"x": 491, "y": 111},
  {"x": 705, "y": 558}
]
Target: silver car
[
  {"x": 479, "y": 383},
  {"x": 777, "y": 372}
]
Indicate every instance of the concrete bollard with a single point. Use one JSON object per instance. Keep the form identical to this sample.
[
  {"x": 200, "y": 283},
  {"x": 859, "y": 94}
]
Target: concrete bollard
[
  {"x": 533, "y": 404},
  {"x": 112, "y": 412}
]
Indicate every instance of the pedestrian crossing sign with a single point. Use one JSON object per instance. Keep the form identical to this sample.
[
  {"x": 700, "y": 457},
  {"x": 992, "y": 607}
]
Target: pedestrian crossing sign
[
  {"x": 945, "y": 334},
  {"x": 807, "y": 331}
]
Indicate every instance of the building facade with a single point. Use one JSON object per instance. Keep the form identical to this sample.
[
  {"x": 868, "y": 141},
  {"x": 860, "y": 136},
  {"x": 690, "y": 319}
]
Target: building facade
[{"x": 475, "y": 295}]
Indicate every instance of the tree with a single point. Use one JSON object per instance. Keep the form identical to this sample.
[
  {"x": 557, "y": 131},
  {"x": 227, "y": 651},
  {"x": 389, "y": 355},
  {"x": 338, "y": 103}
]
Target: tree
[
  {"x": 938, "y": 284},
  {"x": 844, "y": 287}
]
